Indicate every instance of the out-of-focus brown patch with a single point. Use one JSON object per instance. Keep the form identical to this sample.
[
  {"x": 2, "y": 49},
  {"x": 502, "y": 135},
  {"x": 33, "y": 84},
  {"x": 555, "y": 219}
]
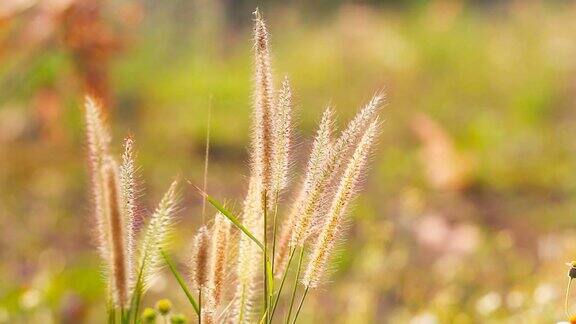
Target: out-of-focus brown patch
[
  {"x": 73, "y": 309},
  {"x": 436, "y": 233},
  {"x": 445, "y": 167},
  {"x": 92, "y": 43},
  {"x": 48, "y": 108},
  {"x": 441, "y": 15}
]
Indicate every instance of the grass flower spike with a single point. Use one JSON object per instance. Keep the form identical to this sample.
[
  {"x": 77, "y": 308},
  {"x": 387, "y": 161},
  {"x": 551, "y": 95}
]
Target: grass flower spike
[
  {"x": 318, "y": 179},
  {"x": 324, "y": 245},
  {"x": 200, "y": 255},
  {"x": 200, "y": 275},
  {"x": 263, "y": 106},
  {"x": 98, "y": 140},
  {"x": 322, "y": 142},
  {"x": 157, "y": 234},
  {"x": 116, "y": 236},
  {"x": 129, "y": 191},
  {"x": 282, "y": 123},
  {"x": 115, "y": 228},
  {"x": 218, "y": 253},
  {"x": 115, "y": 192}
]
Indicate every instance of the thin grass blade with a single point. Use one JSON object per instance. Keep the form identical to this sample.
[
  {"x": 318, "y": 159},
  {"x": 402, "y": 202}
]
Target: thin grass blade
[
  {"x": 181, "y": 282},
  {"x": 233, "y": 219}
]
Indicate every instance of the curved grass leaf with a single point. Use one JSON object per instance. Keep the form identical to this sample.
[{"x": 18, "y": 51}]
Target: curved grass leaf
[
  {"x": 181, "y": 282},
  {"x": 232, "y": 218}
]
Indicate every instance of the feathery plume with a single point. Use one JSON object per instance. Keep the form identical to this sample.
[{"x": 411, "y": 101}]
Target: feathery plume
[
  {"x": 208, "y": 313},
  {"x": 97, "y": 132},
  {"x": 219, "y": 249},
  {"x": 281, "y": 143},
  {"x": 344, "y": 194},
  {"x": 157, "y": 234},
  {"x": 98, "y": 140},
  {"x": 128, "y": 192},
  {"x": 315, "y": 189},
  {"x": 118, "y": 262},
  {"x": 200, "y": 257},
  {"x": 356, "y": 127},
  {"x": 263, "y": 106},
  {"x": 249, "y": 256},
  {"x": 214, "y": 259},
  {"x": 321, "y": 143}
]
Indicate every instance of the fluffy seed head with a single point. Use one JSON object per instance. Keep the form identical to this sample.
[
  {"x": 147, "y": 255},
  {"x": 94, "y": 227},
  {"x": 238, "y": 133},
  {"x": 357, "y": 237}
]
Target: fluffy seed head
[
  {"x": 357, "y": 126},
  {"x": 296, "y": 219},
  {"x": 98, "y": 135},
  {"x": 128, "y": 192},
  {"x": 114, "y": 225},
  {"x": 98, "y": 142},
  {"x": 219, "y": 248},
  {"x": 324, "y": 245},
  {"x": 115, "y": 235},
  {"x": 281, "y": 140},
  {"x": 263, "y": 106},
  {"x": 329, "y": 168},
  {"x": 157, "y": 234},
  {"x": 200, "y": 258},
  {"x": 315, "y": 182}
]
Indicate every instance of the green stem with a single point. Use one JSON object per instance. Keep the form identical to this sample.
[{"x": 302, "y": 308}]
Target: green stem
[
  {"x": 295, "y": 284},
  {"x": 112, "y": 315},
  {"x": 232, "y": 218},
  {"x": 135, "y": 302},
  {"x": 180, "y": 281},
  {"x": 300, "y": 306},
  {"x": 200, "y": 305},
  {"x": 110, "y": 308},
  {"x": 265, "y": 214},
  {"x": 274, "y": 226},
  {"x": 281, "y": 285}
]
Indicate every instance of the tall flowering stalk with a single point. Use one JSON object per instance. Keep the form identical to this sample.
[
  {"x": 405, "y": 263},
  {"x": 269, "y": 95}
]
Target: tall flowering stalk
[
  {"x": 319, "y": 178},
  {"x": 218, "y": 258},
  {"x": 331, "y": 229},
  {"x": 116, "y": 235},
  {"x": 157, "y": 235},
  {"x": 282, "y": 126},
  {"x": 210, "y": 266},
  {"x": 129, "y": 192},
  {"x": 322, "y": 143},
  {"x": 264, "y": 109},
  {"x": 199, "y": 270},
  {"x": 128, "y": 270},
  {"x": 98, "y": 142}
]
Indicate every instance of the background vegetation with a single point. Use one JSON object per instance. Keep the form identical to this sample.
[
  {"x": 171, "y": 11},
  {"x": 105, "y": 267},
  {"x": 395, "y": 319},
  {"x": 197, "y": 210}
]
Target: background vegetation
[{"x": 468, "y": 212}]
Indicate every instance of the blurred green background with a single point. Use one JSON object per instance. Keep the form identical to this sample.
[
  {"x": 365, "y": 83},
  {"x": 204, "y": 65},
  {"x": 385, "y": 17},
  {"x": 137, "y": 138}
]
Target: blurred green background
[{"x": 467, "y": 215}]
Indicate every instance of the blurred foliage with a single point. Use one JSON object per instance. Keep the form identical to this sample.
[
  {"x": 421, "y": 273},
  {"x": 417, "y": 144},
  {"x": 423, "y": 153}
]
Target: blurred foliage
[{"x": 467, "y": 214}]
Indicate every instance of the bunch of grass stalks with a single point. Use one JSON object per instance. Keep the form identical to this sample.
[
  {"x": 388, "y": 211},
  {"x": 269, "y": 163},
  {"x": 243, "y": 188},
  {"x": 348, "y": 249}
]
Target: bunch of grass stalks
[
  {"x": 131, "y": 260},
  {"x": 240, "y": 276}
]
